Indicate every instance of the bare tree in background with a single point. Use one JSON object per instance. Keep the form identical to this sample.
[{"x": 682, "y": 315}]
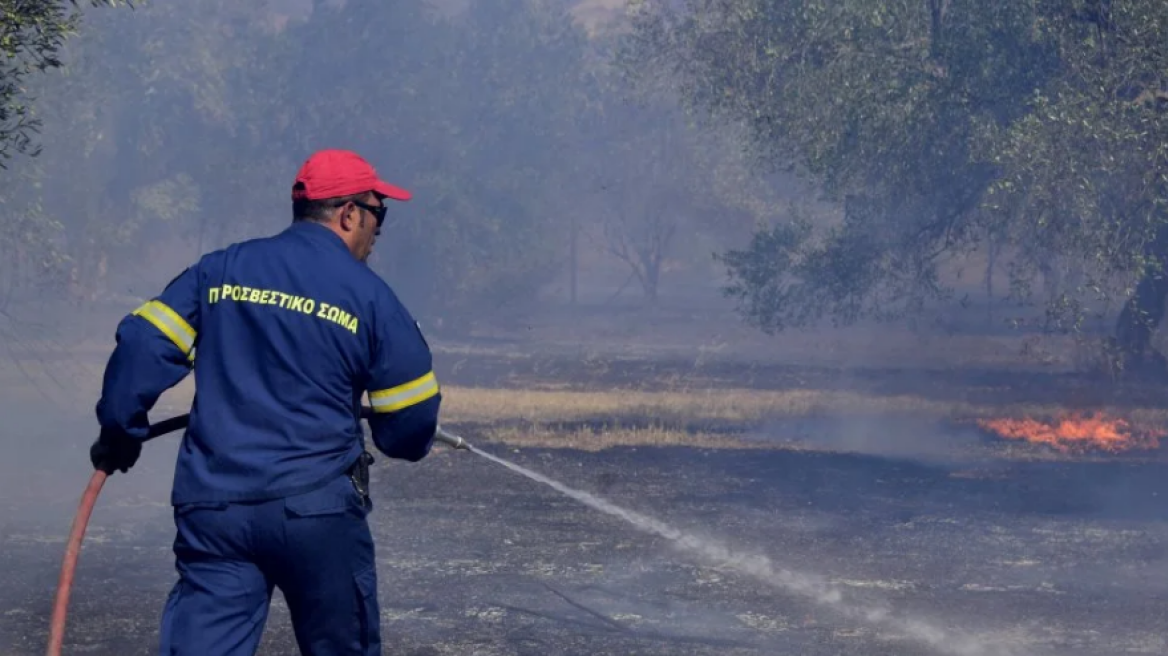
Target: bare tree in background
[
  {"x": 651, "y": 180},
  {"x": 640, "y": 234}
]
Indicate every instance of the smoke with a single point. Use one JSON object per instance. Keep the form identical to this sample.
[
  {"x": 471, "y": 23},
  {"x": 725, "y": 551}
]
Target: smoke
[
  {"x": 50, "y": 380},
  {"x": 897, "y": 436},
  {"x": 810, "y": 586}
]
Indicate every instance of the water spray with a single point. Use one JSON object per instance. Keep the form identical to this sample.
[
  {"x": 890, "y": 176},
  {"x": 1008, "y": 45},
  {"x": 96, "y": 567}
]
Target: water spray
[
  {"x": 89, "y": 500},
  {"x": 763, "y": 569}
]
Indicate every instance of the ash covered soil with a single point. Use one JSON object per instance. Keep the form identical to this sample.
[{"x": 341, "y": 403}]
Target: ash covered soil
[{"x": 1048, "y": 557}]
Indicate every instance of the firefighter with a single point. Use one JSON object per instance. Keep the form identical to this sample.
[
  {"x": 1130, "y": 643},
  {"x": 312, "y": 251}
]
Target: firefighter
[{"x": 285, "y": 334}]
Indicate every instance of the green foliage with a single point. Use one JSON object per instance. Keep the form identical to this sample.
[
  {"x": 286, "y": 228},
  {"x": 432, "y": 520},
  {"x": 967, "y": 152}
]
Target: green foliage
[
  {"x": 32, "y": 33},
  {"x": 1084, "y": 171},
  {"x": 937, "y": 125},
  {"x": 136, "y": 147},
  {"x": 32, "y": 36},
  {"x": 768, "y": 274}
]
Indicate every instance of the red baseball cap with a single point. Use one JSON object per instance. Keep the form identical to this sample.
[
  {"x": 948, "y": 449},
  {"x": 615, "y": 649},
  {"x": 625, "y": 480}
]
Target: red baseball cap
[{"x": 333, "y": 173}]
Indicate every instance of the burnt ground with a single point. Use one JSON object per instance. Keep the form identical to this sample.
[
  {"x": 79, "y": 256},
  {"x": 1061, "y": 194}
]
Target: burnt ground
[
  {"x": 1065, "y": 556},
  {"x": 1055, "y": 557}
]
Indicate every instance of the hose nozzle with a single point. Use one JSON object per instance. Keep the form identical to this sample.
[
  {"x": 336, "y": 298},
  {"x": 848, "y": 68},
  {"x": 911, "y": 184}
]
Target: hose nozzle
[{"x": 450, "y": 439}]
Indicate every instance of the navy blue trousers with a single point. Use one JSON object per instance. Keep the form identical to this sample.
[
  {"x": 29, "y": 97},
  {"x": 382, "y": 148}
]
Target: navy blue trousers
[{"x": 315, "y": 547}]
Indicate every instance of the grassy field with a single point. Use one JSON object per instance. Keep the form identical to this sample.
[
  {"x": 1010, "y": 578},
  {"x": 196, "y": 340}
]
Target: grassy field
[
  {"x": 736, "y": 418},
  {"x": 575, "y": 409},
  {"x": 631, "y": 379}
]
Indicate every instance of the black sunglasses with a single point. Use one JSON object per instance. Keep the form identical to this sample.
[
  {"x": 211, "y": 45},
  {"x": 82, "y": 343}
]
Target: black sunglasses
[{"x": 377, "y": 211}]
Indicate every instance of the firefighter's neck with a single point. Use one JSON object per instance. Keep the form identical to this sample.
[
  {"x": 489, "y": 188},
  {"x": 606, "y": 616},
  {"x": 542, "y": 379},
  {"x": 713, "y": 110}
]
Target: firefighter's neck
[
  {"x": 353, "y": 234},
  {"x": 347, "y": 238}
]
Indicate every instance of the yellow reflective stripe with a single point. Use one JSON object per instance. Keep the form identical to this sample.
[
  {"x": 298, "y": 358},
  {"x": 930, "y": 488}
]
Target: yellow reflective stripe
[
  {"x": 403, "y": 396},
  {"x": 170, "y": 323}
]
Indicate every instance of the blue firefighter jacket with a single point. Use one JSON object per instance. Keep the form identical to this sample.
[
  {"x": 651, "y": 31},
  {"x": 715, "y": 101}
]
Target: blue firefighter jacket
[{"x": 285, "y": 335}]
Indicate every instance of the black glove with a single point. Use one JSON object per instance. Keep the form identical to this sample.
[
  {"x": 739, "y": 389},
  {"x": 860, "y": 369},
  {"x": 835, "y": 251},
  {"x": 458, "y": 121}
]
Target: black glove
[{"x": 114, "y": 451}]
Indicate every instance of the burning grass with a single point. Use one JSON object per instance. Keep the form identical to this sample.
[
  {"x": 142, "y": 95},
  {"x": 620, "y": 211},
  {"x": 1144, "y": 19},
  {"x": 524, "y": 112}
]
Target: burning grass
[
  {"x": 723, "y": 418},
  {"x": 1078, "y": 432}
]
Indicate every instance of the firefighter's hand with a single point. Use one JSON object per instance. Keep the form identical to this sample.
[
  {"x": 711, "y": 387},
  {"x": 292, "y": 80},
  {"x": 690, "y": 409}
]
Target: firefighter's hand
[{"x": 114, "y": 451}]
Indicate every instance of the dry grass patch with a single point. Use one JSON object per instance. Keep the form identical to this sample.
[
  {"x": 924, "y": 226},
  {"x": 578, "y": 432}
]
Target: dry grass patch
[
  {"x": 746, "y": 406},
  {"x": 699, "y": 418},
  {"x": 600, "y": 438},
  {"x": 722, "y": 419}
]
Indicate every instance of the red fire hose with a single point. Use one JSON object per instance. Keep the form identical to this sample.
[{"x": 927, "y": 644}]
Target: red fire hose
[
  {"x": 77, "y": 534},
  {"x": 72, "y": 550}
]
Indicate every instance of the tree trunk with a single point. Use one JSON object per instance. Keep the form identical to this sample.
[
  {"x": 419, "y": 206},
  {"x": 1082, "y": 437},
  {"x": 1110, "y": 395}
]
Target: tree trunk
[
  {"x": 991, "y": 264},
  {"x": 9, "y": 276},
  {"x": 76, "y": 292},
  {"x": 1142, "y": 314},
  {"x": 573, "y": 258},
  {"x": 1052, "y": 277},
  {"x": 651, "y": 280},
  {"x": 101, "y": 280}
]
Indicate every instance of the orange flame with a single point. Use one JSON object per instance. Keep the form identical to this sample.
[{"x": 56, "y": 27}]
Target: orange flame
[{"x": 1077, "y": 432}]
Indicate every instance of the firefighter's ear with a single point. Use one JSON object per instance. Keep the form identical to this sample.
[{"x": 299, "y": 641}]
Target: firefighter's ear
[{"x": 348, "y": 221}]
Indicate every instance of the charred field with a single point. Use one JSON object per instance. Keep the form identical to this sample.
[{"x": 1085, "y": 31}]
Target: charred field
[{"x": 876, "y": 482}]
